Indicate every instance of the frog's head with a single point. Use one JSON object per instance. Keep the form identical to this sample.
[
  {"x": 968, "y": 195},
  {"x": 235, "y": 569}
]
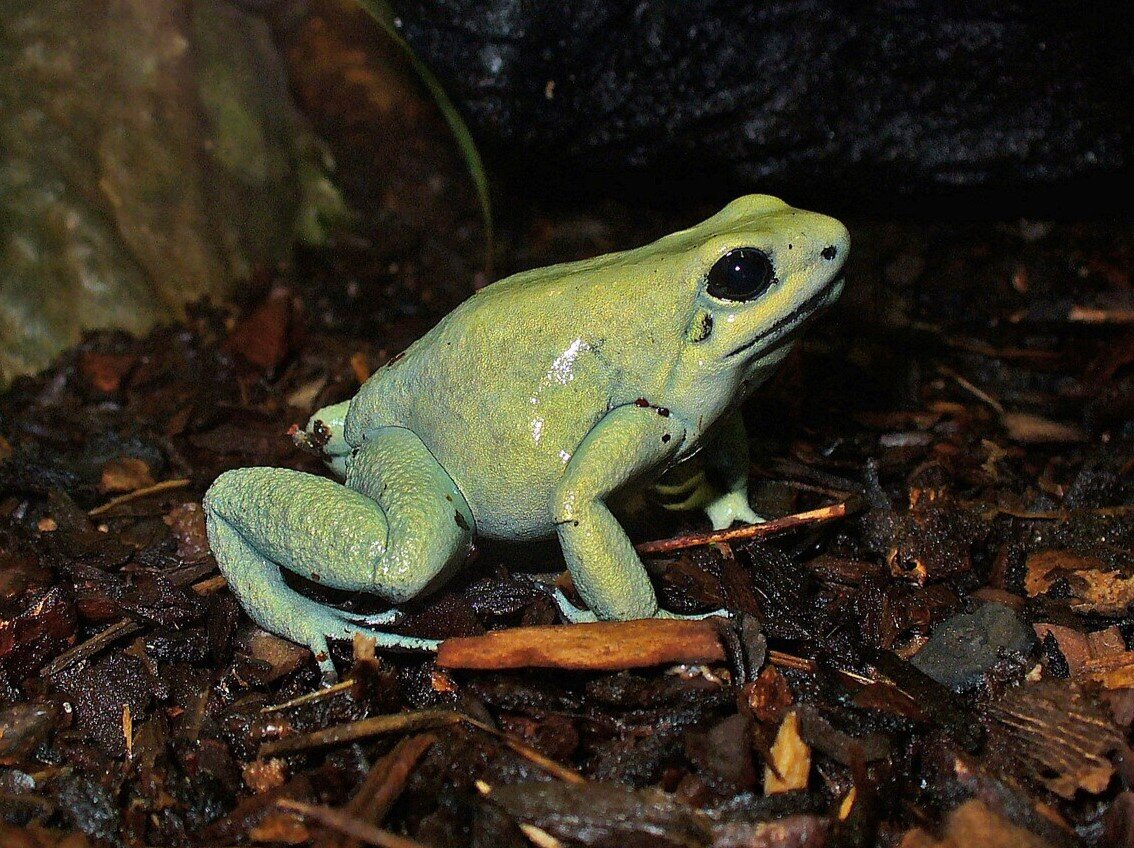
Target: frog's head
[{"x": 761, "y": 269}]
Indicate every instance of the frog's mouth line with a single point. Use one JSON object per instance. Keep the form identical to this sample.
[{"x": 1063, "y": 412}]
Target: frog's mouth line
[{"x": 790, "y": 325}]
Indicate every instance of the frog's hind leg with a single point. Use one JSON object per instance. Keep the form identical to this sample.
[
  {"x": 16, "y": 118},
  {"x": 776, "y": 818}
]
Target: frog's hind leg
[{"x": 391, "y": 531}]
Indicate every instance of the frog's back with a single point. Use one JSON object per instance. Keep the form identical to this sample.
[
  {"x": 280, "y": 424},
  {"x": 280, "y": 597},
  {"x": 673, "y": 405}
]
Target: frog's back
[{"x": 505, "y": 387}]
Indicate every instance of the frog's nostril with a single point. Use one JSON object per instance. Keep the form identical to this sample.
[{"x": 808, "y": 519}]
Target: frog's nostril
[{"x": 829, "y": 252}]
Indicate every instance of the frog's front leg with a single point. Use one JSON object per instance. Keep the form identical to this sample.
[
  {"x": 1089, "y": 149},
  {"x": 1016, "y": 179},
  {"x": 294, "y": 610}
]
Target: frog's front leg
[
  {"x": 391, "y": 529},
  {"x": 628, "y": 442},
  {"x": 726, "y": 463}
]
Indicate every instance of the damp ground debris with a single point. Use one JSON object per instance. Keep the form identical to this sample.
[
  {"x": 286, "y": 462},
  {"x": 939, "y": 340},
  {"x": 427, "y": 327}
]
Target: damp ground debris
[{"x": 943, "y": 658}]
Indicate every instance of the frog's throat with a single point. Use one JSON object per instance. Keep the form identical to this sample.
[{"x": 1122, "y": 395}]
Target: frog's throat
[{"x": 785, "y": 328}]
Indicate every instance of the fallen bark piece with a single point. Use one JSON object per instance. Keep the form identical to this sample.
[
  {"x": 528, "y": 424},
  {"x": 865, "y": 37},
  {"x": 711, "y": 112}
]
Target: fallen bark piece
[
  {"x": 1055, "y": 734},
  {"x": 1113, "y": 671},
  {"x": 384, "y": 783},
  {"x": 602, "y": 646},
  {"x": 791, "y": 757},
  {"x": 1031, "y": 429},
  {"x": 603, "y": 814}
]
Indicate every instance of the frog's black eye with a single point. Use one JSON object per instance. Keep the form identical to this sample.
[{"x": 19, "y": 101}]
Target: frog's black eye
[{"x": 744, "y": 273}]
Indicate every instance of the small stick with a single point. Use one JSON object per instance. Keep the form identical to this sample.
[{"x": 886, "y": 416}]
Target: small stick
[
  {"x": 558, "y": 770},
  {"x": 345, "y": 823},
  {"x": 1093, "y": 315},
  {"x": 156, "y": 488},
  {"x": 317, "y": 695},
  {"x": 87, "y": 649},
  {"x": 385, "y": 782},
  {"x": 355, "y": 730},
  {"x": 785, "y": 660},
  {"x": 976, "y": 391},
  {"x": 753, "y": 531}
]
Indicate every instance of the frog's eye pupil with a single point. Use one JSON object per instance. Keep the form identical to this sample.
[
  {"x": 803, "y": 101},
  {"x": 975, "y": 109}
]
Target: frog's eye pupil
[{"x": 744, "y": 273}]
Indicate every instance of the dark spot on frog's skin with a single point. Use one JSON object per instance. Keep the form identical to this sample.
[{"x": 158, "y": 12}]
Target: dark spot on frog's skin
[
  {"x": 829, "y": 252},
  {"x": 665, "y": 438},
  {"x": 315, "y": 576},
  {"x": 642, "y": 402},
  {"x": 663, "y": 412},
  {"x": 703, "y": 329},
  {"x": 789, "y": 247},
  {"x": 449, "y": 498},
  {"x": 460, "y": 519}
]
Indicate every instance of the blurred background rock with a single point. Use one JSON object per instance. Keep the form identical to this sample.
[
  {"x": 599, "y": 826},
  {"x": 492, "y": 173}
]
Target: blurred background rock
[{"x": 152, "y": 156}]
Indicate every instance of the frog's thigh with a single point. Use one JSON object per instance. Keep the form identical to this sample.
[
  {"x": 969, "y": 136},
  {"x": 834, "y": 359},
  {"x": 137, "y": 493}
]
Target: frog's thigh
[
  {"x": 262, "y": 519},
  {"x": 606, "y": 569},
  {"x": 429, "y": 522}
]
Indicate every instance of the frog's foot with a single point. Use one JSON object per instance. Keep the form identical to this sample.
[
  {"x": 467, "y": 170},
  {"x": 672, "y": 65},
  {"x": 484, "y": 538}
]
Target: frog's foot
[
  {"x": 580, "y": 616},
  {"x": 700, "y": 616},
  {"x": 730, "y": 507},
  {"x": 571, "y": 612},
  {"x": 276, "y": 607},
  {"x": 390, "y": 531},
  {"x": 320, "y": 623}
]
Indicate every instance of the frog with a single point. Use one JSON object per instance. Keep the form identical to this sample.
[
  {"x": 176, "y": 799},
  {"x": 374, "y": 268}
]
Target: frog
[{"x": 522, "y": 414}]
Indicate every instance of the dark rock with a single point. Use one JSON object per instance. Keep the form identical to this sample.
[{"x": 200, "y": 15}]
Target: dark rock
[
  {"x": 869, "y": 101},
  {"x": 967, "y": 645}
]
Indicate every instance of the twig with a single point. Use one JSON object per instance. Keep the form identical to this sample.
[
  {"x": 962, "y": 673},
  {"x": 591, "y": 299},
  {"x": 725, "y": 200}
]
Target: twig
[
  {"x": 87, "y": 649},
  {"x": 1095, "y": 315},
  {"x": 385, "y": 782},
  {"x": 156, "y": 488},
  {"x": 420, "y": 720},
  {"x": 754, "y": 531},
  {"x": 307, "y": 698},
  {"x": 355, "y": 730},
  {"x": 351, "y": 826},
  {"x": 976, "y": 391},
  {"x": 786, "y": 660},
  {"x": 558, "y": 770}
]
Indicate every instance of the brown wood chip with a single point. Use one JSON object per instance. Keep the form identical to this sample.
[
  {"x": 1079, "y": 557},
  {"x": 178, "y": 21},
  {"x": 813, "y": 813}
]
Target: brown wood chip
[{"x": 602, "y": 646}]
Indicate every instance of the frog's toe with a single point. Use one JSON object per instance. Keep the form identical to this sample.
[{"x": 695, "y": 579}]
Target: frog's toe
[
  {"x": 729, "y": 508},
  {"x": 571, "y": 612}
]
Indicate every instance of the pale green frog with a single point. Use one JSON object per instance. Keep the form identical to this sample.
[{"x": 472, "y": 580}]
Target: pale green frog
[{"x": 523, "y": 412}]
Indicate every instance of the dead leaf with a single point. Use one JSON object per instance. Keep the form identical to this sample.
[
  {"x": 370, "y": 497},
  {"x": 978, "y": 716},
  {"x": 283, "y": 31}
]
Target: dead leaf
[
  {"x": 974, "y": 824},
  {"x": 791, "y": 757},
  {"x": 1095, "y": 586},
  {"x": 125, "y": 474},
  {"x": 1031, "y": 429}
]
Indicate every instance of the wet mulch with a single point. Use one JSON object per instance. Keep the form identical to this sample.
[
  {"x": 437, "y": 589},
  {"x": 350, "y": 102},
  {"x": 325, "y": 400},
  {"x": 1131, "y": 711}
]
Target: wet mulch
[{"x": 938, "y": 653}]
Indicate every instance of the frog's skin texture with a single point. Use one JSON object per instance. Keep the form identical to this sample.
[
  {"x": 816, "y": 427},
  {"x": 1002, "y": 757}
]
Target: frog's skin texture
[{"x": 521, "y": 413}]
